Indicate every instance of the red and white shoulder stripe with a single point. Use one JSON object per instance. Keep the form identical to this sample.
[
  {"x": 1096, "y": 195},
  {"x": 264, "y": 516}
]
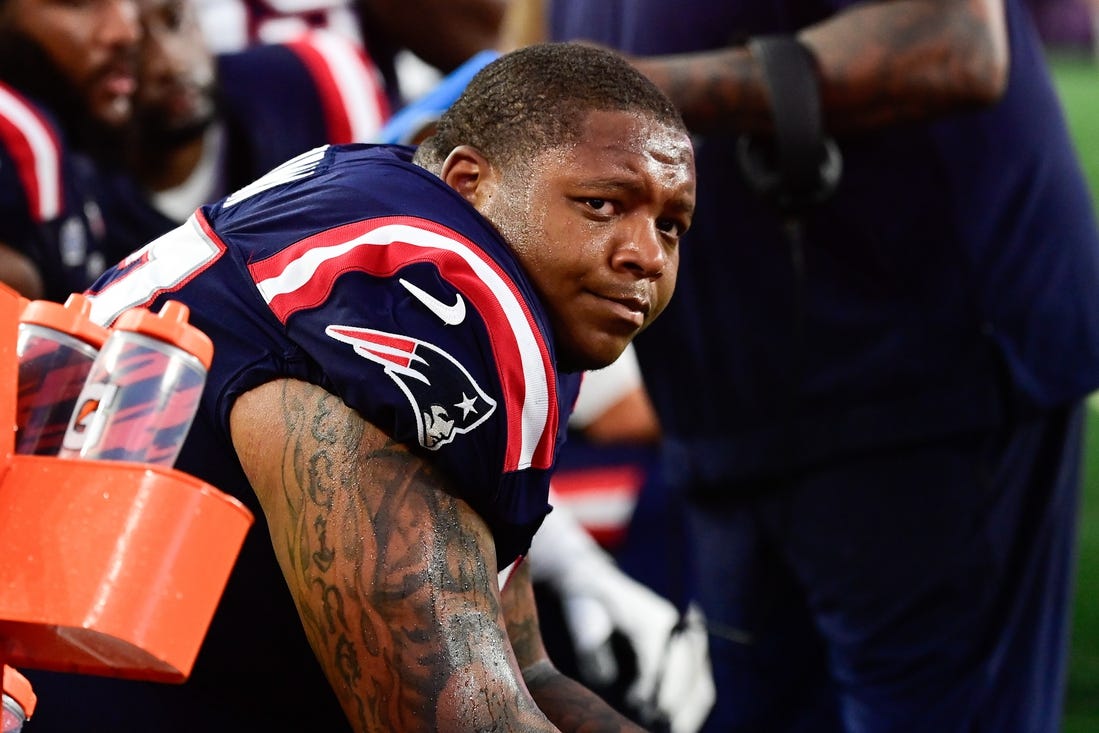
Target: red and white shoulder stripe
[
  {"x": 351, "y": 88},
  {"x": 303, "y": 275},
  {"x": 32, "y": 142}
]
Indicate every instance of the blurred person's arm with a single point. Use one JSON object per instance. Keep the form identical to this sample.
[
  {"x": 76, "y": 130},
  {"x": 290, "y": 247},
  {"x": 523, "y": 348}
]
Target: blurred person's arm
[
  {"x": 878, "y": 63},
  {"x": 443, "y": 33}
]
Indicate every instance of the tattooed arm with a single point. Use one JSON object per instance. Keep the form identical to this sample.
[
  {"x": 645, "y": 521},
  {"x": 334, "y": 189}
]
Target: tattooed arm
[
  {"x": 570, "y": 705},
  {"x": 878, "y": 63},
  {"x": 394, "y": 578}
]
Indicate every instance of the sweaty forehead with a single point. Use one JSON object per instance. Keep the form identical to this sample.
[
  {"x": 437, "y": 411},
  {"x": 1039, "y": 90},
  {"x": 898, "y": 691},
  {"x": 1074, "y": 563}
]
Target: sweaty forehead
[
  {"x": 612, "y": 144},
  {"x": 634, "y": 138},
  {"x": 633, "y": 129}
]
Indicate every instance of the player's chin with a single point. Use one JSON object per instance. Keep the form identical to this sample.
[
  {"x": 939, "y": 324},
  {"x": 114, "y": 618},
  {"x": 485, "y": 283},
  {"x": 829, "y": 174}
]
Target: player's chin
[{"x": 594, "y": 350}]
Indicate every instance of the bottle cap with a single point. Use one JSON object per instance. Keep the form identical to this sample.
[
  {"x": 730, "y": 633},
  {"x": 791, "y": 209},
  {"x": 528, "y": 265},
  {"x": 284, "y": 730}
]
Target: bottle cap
[
  {"x": 169, "y": 325},
  {"x": 19, "y": 689},
  {"x": 73, "y": 318}
]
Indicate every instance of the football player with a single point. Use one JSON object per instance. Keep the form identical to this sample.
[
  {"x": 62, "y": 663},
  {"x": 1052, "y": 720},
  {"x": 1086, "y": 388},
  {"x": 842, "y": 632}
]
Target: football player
[
  {"x": 398, "y": 343},
  {"x": 67, "y": 80}
]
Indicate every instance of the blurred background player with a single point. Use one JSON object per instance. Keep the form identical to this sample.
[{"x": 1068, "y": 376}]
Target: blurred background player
[
  {"x": 206, "y": 125},
  {"x": 67, "y": 80}
]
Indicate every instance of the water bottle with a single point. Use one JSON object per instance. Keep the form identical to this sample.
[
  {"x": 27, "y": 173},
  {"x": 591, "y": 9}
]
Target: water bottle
[
  {"x": 18, "y": 701},
  {"x": 143, "y": 390},
  {"x": 56, "y": 347}
]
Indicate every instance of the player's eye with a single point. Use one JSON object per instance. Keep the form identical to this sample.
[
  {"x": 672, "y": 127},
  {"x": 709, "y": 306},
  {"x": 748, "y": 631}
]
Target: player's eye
[
  {"x": 671, "y": 226},
  {"x": 601, "y": 206}
]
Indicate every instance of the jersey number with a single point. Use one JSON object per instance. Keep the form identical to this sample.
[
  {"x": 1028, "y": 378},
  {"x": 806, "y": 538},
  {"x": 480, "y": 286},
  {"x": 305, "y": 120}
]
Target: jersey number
[
  {"x": 167, "y": 263},
  {"x": 161, "y": 266}
]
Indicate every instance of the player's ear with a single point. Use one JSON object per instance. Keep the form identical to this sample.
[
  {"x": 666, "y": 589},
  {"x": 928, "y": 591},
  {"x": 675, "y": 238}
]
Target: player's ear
[{"x": 469, "y": 173}]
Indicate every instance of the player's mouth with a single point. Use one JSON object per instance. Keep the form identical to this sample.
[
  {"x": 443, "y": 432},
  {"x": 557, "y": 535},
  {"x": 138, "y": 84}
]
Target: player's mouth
[{"x": 631, "y": 309}]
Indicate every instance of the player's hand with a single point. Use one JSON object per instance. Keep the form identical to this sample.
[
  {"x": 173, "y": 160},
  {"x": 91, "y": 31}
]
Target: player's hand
[{"x": 673, "y": 686}]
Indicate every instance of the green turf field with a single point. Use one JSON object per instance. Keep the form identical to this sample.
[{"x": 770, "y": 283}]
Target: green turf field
[
  {"x": 1078, "y": 82},
  {"x": 1082, "y": 704}
]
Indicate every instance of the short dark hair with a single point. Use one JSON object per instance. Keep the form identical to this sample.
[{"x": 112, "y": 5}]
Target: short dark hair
[{"x": 536, "y": 98}]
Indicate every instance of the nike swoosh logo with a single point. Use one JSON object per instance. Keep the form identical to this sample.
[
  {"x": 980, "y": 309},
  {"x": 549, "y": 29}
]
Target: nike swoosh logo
[{"x": 451, "y": 315}]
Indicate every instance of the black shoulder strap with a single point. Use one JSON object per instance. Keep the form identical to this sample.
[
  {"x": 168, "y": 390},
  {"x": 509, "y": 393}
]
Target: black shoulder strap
[{"x": 799, "y": 165}]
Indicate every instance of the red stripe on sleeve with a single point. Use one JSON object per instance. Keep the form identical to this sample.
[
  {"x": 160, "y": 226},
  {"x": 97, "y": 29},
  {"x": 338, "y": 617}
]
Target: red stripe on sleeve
[{"x": 29, "y": 163}]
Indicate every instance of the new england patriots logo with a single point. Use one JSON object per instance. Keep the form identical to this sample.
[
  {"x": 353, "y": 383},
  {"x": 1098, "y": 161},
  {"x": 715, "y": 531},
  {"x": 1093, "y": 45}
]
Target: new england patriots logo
[{"x": 447, "y": 401}]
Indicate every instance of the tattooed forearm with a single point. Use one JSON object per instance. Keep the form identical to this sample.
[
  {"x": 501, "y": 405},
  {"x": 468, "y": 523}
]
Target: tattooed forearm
[
  {"x": 878, "y": 63},
  {"x": 568, "y": 704},
  {"x": 716, "y": 92},
  {"x": 393, "y": 577},
  {"x": 572, "y": 707},
  {"x": 909, "y": 60}
]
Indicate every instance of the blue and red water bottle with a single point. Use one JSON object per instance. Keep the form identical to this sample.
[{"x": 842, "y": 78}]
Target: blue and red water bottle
[
  {"x": 143, "y": 390},
  {"x": 56, "y": 348}
]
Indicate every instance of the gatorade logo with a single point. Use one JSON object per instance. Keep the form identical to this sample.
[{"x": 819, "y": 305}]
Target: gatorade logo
[
  {"x": 83, "y": 415},
  {"x": 86, "y": 424}
]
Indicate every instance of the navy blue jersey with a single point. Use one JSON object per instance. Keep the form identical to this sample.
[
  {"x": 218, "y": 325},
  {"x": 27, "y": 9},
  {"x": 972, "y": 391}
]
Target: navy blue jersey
[
  {"x": 47, "y": 208},
  {"x": 353, "y": 269},
  {"x": 957, "y": 261}
]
